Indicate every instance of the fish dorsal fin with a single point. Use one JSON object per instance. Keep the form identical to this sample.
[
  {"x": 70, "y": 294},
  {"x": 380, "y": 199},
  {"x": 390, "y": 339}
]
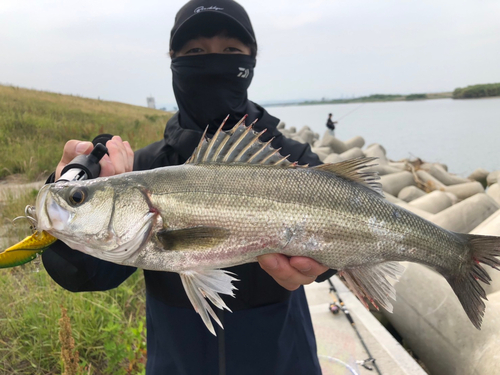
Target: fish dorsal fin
[
  {"x": 353, "y": 170},
  {"x": 240, "y": 145}
]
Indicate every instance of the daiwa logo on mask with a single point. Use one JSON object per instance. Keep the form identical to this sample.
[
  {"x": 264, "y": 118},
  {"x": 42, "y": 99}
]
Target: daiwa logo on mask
[
  {"x": 244, "y": 73},
  {"x": 202, "y": 8}
]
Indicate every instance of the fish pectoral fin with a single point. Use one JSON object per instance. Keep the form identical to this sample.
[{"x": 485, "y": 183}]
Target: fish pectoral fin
[
  {"x": 207, "y": 284},
  {"x": 196, "y": 238},
  {"x": 372, "y": 283}
]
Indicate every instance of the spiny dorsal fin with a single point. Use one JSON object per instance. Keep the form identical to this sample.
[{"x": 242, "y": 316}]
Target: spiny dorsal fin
[
  {"x": 352, "y": 170},
  {"x": 241, "y": 144}
]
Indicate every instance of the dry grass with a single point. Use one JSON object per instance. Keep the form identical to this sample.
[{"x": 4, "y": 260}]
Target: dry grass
[{"x": 35, "y": 125}]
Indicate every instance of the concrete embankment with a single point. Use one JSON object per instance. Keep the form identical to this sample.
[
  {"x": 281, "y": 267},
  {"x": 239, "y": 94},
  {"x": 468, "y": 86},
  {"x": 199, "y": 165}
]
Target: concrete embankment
[{"x": 427, "y": 314}]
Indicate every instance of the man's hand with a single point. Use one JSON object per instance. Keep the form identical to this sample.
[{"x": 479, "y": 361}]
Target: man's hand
[
  {"x": 120, "y": 159},
  {"x": 292, "y": 272}
]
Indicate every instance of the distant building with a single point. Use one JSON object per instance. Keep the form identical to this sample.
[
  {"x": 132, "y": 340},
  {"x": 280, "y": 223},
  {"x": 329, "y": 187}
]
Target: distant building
[{"x": 151, "y": 102}]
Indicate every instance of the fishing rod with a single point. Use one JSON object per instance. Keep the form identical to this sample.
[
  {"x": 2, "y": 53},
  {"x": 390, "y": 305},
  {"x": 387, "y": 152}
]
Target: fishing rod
[
  {"x": 339, "y": 305},
  {"x": 86, "y": 167},
  {"x": 354, "y": 110}
]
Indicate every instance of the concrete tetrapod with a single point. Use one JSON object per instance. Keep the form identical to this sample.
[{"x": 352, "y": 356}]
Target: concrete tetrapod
[
  {"x": 417, "y": 211},
  {"x": 463, "y": 191},
  {"x": 322, "y": 152},
  {"x": 431, "y": 320},
  {"x": 452, "y": 196},
  {"x": 410, "y": 193},
  {"x": 493, "y": 178},
  {"x": 429, "y": 317},
  {"x": 433, "y": 202},
  {"x": 440, "y": 174},
  {"x": 355, "y": 142},
  {"x": 395, "y": 182},
  {"x": 354, "y": 152},
  {"x": 401, "y": 165},
  {"x": 335, "y": 144},
  {"x": 307, "y": 136},
  {"x": 468, "y": 214},
  {"x": 333, "y": 158},
  {"x": 383, "y": 169},
  {"x": 479, "y": 175},
  {"x": 494, "y": 192},
  {"x": 430, "y": 182},
  {"x": 377, "y": 151}
]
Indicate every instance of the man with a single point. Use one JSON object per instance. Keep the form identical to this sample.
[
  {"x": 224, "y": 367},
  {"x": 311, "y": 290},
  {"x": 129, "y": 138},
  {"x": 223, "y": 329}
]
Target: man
[
  {"x": 213, "y": 51},
  {"x": 330, "y": 124}
]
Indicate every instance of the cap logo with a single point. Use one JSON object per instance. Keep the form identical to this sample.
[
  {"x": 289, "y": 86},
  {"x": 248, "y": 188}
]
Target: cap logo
[{"x": 202, "y": 8}]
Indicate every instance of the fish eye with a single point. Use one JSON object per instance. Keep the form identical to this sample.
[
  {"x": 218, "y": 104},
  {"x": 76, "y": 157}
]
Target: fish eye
[{"x": 77, "y": 196}]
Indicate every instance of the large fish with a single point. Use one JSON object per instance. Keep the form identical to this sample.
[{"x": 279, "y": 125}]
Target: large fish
[{"x": 237, "y": 198}]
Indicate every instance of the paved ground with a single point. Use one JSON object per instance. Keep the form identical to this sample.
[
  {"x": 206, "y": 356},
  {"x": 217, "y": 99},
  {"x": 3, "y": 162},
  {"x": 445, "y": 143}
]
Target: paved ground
[{"x": 337, "y": 339}]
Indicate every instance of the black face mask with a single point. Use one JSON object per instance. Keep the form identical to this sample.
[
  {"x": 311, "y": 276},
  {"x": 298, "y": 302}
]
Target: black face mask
[{"x": 210, "y": 87}]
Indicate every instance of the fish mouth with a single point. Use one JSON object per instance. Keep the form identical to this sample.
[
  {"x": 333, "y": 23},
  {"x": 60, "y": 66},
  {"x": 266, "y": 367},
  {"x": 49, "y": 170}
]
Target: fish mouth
[
  {"x": 49, "y": 214},
  {"x": 43, "y": 219}
]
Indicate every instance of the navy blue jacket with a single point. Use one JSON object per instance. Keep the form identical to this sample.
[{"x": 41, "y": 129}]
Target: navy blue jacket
[{"x": 269, "y": 330}]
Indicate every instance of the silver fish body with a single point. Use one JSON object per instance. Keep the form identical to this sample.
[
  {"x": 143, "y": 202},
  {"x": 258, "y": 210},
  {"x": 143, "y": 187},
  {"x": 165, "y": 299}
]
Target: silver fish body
[{"x": 236, "y": 199}]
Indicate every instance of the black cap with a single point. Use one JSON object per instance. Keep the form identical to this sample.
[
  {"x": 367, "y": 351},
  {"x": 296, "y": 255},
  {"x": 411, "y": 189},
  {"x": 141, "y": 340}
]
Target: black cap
[{"x": 197, "y": 15}]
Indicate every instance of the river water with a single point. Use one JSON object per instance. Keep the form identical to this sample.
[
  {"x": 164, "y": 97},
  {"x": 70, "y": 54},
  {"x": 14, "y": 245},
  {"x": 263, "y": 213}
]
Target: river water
[{"x": 463, "y": 134}]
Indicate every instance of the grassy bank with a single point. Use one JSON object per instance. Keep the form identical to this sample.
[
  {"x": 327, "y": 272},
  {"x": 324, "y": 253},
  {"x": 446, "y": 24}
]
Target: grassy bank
[
  {"x": 35, "y": 125},
  {"x": 108, "y": 328},
  {"x": 477, "y": 91}
]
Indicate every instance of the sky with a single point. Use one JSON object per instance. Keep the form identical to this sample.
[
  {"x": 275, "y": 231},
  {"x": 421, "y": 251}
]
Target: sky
[{"x": 118, "y": 50}]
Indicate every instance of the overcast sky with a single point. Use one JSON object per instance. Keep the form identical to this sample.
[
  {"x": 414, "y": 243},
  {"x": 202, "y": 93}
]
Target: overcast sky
[{"x": 117, "y": 50}]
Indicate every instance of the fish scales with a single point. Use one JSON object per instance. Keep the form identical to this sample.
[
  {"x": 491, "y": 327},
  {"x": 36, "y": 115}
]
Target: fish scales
[
  {"x": 219, "y": 210},
  {"x": 331, "y": 221}
]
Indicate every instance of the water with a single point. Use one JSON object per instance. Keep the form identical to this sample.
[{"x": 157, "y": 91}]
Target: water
[{"x": 463, "y": 134}]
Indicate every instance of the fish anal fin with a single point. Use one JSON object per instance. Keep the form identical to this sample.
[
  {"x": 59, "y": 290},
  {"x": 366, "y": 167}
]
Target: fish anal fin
[
  {"x": 353, "y": 170},
  {"x": 372, "y": 283},
  {"x": 195, "y": 238},
  {"x": 208, "y": 284}
]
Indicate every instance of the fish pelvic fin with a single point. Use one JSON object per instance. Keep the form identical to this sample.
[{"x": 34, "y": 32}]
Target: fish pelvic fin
[
  {"x": 240, "y": 145},
  {"x": 372, "y": 283},
  {"x": 207, "y": 284},
  {"x": 354, "y": 170},
  {"x": 465, "y": 281}
]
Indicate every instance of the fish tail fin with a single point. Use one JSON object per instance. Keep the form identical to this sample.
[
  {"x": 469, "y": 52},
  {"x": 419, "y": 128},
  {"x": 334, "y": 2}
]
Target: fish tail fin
[
  {"x": 482, "y": 249},
  {"x": 372, "y": 283}
]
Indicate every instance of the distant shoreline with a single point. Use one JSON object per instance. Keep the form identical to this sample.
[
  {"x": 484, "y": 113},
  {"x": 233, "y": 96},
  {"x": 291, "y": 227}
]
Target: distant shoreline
[{"x": 369, "y": 99}]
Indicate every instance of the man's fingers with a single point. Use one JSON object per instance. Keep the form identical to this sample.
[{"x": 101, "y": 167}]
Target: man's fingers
[
  {"x": 308, "y": 266},
  {"x": 107, "y": 167},
  {"x": 71, "y": 150},
  {"x": 279, "y": 267},
  {"x": 120, "y": 159},
  {"x": 120, "y": 154},
  {"x": 130, "y": 155},
  {"x": 116, "y": 156}
]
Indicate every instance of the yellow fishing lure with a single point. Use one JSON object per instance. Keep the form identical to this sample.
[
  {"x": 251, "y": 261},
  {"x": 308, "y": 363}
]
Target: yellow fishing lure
[{"x": 26, "y": 250}]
